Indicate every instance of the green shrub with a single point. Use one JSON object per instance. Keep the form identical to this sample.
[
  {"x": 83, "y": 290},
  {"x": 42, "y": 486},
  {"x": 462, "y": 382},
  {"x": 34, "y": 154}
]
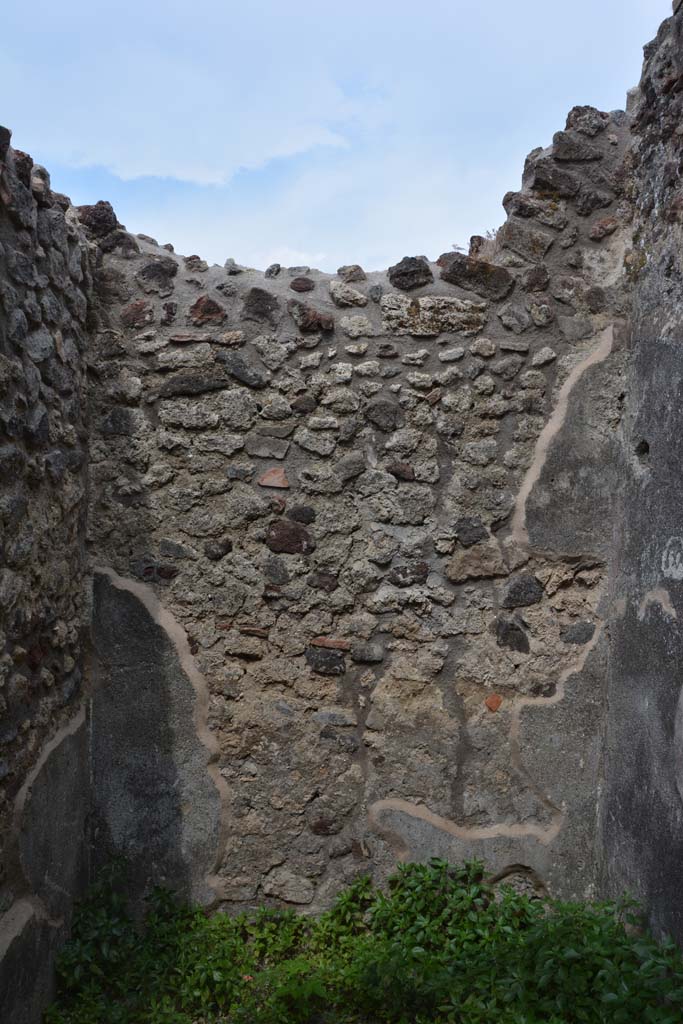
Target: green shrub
[{"x": 438, "y": 947}]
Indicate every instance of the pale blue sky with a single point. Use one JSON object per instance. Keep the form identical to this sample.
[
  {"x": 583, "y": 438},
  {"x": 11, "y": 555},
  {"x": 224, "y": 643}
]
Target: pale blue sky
[{"x": 307, "y": 132}]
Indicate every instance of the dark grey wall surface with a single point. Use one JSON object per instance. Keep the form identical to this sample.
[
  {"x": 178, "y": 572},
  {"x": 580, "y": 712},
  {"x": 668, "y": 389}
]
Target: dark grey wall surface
[{"x": 642, "y": 813}]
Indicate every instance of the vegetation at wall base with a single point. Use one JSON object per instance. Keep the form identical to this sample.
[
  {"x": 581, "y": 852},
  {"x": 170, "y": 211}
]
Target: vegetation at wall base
[{"x": 440, "y": 946}]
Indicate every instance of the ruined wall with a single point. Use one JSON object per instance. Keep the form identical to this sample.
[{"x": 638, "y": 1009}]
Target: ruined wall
[
  {"x": 642, "y": 819},
  {"x": 367, "y": 519},
  {"x": 43, "y": 592},
  {"x": 381, "y": 565}
]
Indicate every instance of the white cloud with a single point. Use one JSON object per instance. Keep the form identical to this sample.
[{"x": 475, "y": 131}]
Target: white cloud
[{"x": 356, "y": 132}]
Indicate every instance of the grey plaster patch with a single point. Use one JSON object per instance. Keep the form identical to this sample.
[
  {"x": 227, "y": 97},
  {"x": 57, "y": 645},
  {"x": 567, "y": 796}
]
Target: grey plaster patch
[{"x": 156, "y": 794}]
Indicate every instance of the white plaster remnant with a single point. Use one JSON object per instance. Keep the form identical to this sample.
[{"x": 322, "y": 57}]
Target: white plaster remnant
[
  {"x": 672, "y": 559},
  {"x": 657, "y": 597}
]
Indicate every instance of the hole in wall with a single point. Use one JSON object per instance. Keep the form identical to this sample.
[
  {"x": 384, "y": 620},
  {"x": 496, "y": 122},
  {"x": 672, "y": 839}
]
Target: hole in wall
[{"x": 642, "y": 449}]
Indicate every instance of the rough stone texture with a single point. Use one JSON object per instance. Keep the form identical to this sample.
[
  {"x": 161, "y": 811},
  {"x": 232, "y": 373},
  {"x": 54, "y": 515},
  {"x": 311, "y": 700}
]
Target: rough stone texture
[
  {"x": 384, "y": 640},
  {"x": 44, "y": 290},
  {"x": 642, "y": 812},
  {"x": 372, "y": 565}
]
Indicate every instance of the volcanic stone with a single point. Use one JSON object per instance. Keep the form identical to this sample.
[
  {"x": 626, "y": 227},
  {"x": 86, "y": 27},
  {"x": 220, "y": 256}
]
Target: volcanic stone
[
  {"x": 510, "y": 634},
  {"x": 242, "y": 370},
  {"x": 577, "y": 633},
  {"x": 308, "y": 318},
  {"x": 137, "y": 314},
  {"x": 302, "y": 284},
  {"x": 411, "y": 272},
  {"x": 157, "y": 275},
  {"x": 477, "y": 276},
  {"x": 289, "y": 538},
  {"x": 384, "y": 415},
  {"x": 522, "y": 591},
  {"x": 206, "y": 311},
  {"x": 470, "y": 530},
  {"x": 326, "y": 662},
  {"x": 408, "y": 575}
]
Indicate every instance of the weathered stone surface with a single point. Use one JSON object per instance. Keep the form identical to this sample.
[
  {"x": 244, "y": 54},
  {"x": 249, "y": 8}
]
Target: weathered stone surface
[
  {"x": 447, "y": 519},
  {"x": 384, "y": 415},
  {"x": 529, "y": 242},
  {"x": 352, "y": 272},
  {"x": 571, "y": 148},
  {"x": 411, "y": 272},
  {"x": 522, "y": 591},
  {"x": 476, "y": 275},
  {"x": 308, "y": 319},
  {"x": 431, "y": 315},
  {"x": 206, "y": 311},
  {"x": 511, "y": 633},
  {"x": 344, "y": 295},
  {"x": 289, "y": 538},
  {"x": 483, "y": 561},
  {"x": 326, "y": 662},
  {"x": 137, "y": 314},
  {"x": 157, "y": 275},
  {"x": 246, "y": 372}
]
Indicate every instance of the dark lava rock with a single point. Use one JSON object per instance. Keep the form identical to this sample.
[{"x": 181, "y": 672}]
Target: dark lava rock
[
  {"x": 309, "y": 319},
  {"x": 387, "y": 350},
  {"x": 536, "y": 279},
  {"x": 302, "y": 284},
  {"x": 325, "y": 581},
  {"x": 578, "y": 633},
  {"x": 408, "y": 575},
  {"x": 191, "y": 382},
  {"x": 98, "y": 220},
  {"x": 243, "y": 370},
  {"x": 304, "y": 404},
  {"x": 326, "y": 662},
  {"x": 351, "y": 466},
  {"x": 353, "y": 272},
  {"x": 522, "y": 591},
  {"x": 509, "y": 633},
  {"x": 384, "y": 415},
  {"x": 476, "y": 276},
  {"x": 157, "y": 275},
  {"x": 470, "y": 530},
  {"x": 411, "y": 272},
  {"x": 217, "y": 549},
  {"x": 570, "y": 148},
  {"x": 261, "y": 306},
  {"x": 289, "y": 538},
  {"x": 276, "y": 571},
  {"x": 587, "y": 120},
  {"x": 273, "y": 270},
  {"x": 207, "y": 311},
  {"x": 5, "y": 137},
  {"x": 548, "y": 178},
  {"x": 302, "y": 514},
  {"x": 137, "y": 314},
  {"x": 367, "y": 653},
  {"x": 401, "y": 470}
]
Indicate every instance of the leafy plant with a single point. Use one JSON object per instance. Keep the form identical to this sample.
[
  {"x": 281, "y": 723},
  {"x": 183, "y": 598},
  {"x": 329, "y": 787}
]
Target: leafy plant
[{"x": 439, "y": 946}]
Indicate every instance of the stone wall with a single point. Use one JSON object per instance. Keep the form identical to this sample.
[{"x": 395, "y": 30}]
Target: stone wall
[
  {"x": 44, "y": 284},
  {"x": 366, "y": 519},
  {"x": 383, "y": 565},
  {"x": 642, "y": 817}
]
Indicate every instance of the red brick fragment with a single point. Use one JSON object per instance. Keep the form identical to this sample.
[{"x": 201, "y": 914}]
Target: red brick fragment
[
  {"x": 275, "y": 477},
  {"x": 493, "y": 702},
  {"x": 332, "y": 643}
]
